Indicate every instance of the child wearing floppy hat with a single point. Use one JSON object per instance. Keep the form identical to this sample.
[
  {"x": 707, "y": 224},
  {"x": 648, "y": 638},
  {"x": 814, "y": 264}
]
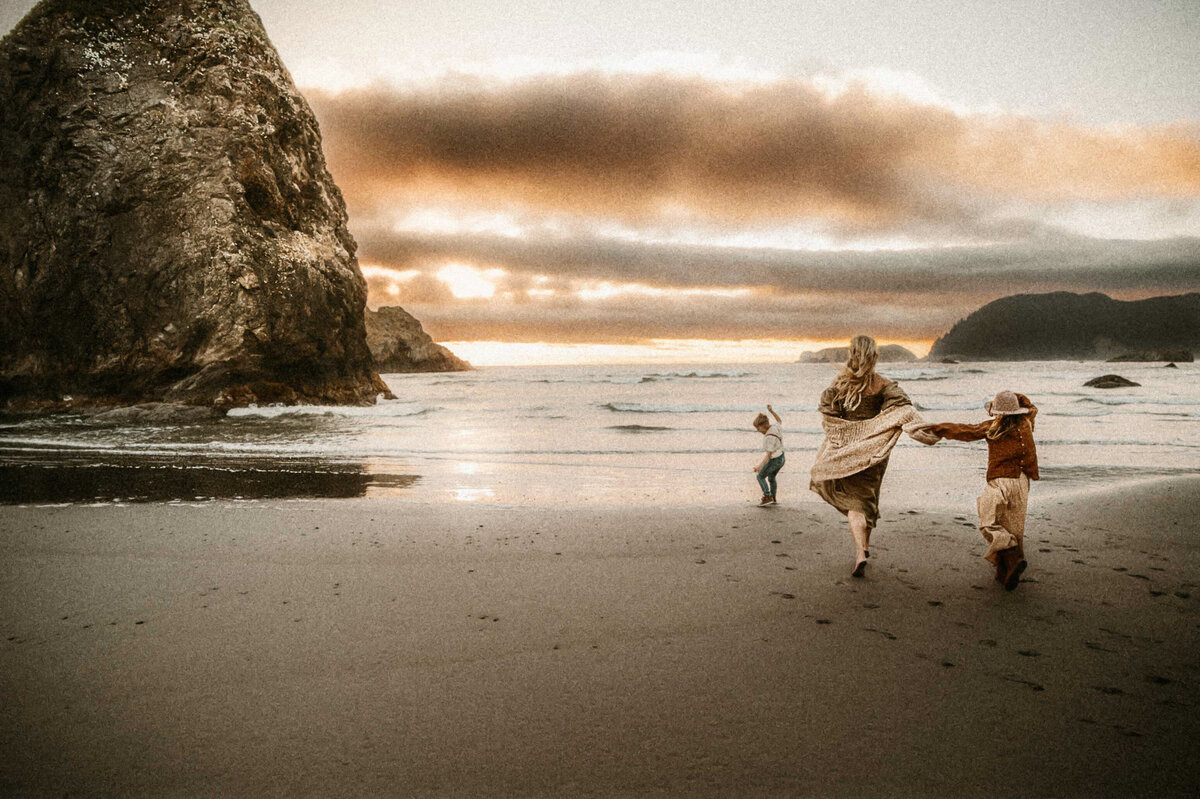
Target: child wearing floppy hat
[{"x": 1012, "y": 463}]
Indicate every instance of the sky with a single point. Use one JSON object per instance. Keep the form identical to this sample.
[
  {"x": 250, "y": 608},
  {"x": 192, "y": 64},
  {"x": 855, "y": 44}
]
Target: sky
[{"x": 628, "y": 181}]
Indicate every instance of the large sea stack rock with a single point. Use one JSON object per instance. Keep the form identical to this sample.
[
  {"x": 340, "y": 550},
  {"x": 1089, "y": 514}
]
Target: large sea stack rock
[
  {"x": 400, "y": 344},
  {"x": 169, "y": 228},
  {"x": 1065, "y": 326}
]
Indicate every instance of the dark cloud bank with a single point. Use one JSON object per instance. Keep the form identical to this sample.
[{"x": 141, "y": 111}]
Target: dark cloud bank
[{"x": 641, "y": 150}]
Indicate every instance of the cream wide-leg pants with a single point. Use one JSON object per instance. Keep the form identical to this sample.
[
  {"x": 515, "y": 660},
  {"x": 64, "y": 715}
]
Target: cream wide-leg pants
[{"x": 1002, "y": 514}]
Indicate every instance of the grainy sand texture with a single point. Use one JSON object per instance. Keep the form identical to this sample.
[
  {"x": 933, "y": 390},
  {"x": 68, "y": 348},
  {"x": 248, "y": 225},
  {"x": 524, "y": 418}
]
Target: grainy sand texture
[{"x": 377, "y": 647}]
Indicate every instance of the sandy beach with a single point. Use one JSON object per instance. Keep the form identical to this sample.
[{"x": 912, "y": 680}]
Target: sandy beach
[{"x": 368, "y": 647}]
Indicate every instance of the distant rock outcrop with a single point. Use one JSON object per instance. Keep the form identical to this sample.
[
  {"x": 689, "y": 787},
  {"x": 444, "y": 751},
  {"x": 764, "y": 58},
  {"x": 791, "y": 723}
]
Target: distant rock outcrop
[
  {"x": 888, "y": 353},
  {"x": 1062, "y": 326},
  {"x": 1159, "y": 356},
  {"x": 170, "y": 230},
  {"x": 1111, "y": 381},
  {"x": 400, "y": 344}
]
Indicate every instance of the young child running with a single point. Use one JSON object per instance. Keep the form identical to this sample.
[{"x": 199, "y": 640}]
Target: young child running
[
  {"x": 773, "y": 457},
  {"x": 1012, "y": 463}
]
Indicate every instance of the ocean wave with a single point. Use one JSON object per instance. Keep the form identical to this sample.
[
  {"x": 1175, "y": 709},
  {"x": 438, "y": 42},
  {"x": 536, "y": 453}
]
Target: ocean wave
[
  {"x": 1124, "y": 399},
  {"x": 1079, "y": 414},
  {"x": 638, "y": 428},
  {"x": 950, "y": 406},
  {"x": 1113, "y": 442},
  {"x": 697, "y": 375},
  {"x": 644, "y": 407},
  {"x": 919, "y": 376},
  {"x": 384, "y": 409}
]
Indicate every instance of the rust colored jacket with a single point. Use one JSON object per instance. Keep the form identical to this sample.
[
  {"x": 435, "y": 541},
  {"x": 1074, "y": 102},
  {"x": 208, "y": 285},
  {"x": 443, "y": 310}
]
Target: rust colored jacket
[{"x": 1008, "y": 456}]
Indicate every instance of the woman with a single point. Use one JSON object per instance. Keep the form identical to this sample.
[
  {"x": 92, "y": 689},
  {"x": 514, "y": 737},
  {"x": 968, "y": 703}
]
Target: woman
[{"x": 863, "y": 415}]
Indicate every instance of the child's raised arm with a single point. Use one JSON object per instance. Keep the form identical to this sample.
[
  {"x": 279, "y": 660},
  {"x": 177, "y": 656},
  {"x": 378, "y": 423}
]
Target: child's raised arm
[
  {"x": 960, "y": 432},
  {"x": 772, "y": 410},
  {"x": 1026, "y": 402}
]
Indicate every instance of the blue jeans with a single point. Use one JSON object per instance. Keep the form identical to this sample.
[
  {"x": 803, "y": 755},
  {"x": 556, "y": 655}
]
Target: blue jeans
[{"x": 766, "y": 475}]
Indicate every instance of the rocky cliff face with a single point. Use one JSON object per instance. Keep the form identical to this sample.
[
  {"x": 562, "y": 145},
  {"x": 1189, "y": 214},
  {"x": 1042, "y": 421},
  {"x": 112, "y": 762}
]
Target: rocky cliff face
[
  {"x": 169, "y": 228},
  {"x": 1072, "y": 326},
  {"x": 400, "y": 344}
]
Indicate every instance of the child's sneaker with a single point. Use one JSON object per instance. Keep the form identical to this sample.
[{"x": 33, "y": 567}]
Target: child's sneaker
[{"x": 766, "y": 500}]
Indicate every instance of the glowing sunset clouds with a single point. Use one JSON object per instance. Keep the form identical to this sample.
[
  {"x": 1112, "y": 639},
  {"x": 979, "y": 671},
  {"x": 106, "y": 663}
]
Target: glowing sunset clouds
[{"x": 550, "y": 180}]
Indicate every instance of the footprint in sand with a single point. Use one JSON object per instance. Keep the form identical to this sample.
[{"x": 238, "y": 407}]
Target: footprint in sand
[
  {"x": 988, "y": 642},
  {"x": 1035, "y": 686},
  {"x": 1158, "y": 680},
  {"x": 1106, "y": 689},
  {"x": 935, "y": 603},
  {"x": 884, "y": 633},
  {"x": 1097, "y": 647},
  {"x": 1029, "y": 653}
]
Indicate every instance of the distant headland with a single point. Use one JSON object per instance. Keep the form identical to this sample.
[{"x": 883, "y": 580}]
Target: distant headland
[
  {"x": 888, "y": 353},
  {"x": 1066, "y": 326}
]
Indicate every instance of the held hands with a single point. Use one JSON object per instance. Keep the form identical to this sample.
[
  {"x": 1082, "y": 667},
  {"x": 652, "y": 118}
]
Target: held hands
[{"x": 927, "y": 434}]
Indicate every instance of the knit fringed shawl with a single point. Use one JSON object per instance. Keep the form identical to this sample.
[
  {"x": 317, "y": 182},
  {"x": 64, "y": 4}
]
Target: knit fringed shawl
[{"x": 849, "y": 447}]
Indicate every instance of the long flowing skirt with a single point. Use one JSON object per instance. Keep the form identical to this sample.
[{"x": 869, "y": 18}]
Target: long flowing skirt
[{"x": 859, "y": 491}]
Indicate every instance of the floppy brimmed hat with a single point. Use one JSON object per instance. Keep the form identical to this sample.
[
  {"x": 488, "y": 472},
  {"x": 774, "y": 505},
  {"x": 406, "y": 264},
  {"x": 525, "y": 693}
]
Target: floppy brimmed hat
[{"x": 1004, "y": 404}]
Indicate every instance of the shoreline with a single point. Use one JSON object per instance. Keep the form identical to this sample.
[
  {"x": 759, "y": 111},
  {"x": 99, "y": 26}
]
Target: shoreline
[
  {"x": 380, "y": 646},
  {"x": 31, "y": 478}
]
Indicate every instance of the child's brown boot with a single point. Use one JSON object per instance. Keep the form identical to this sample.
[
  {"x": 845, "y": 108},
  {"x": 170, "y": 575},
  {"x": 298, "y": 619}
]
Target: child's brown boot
[{"x": 1016, "y": 565}]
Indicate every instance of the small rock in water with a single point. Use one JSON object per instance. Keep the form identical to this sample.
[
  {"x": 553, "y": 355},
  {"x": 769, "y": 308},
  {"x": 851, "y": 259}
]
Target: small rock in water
[{"x": 1111, "y": 381}]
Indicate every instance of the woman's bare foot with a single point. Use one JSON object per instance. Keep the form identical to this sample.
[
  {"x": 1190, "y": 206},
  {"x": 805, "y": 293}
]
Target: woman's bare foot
[{"x": 860, "y": 569}]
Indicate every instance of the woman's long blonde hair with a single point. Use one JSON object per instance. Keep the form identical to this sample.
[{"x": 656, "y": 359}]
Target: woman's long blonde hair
[{"x": 858, "y": 374}]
